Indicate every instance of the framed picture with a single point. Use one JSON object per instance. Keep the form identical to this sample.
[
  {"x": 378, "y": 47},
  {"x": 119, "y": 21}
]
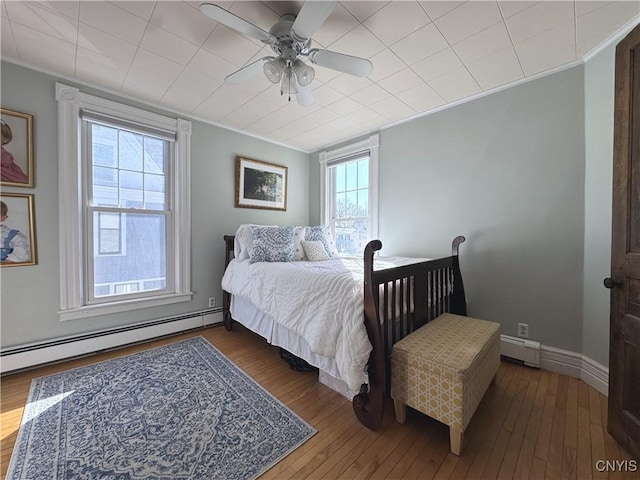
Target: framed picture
[
  {"x": 260, "y": 184},
  {"x": 17, "y": 149},
  {"x": 18, "y": 233}
]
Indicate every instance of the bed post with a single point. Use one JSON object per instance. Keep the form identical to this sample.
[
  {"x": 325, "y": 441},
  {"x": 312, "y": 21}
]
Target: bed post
[
  {"x": 458, "y": 297},
  {"x": 227, "y": 321},
  {"x": 368, "y": 405}
]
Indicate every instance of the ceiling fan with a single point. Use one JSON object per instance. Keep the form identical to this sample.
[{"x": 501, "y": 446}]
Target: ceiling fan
[{"x": 290, "y": 39}]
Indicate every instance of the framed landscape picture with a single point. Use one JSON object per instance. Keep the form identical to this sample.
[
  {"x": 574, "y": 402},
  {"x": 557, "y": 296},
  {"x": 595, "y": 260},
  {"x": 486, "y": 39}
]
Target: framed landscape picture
[
  {"x": 17, "y": 149},
  {"x": 260, "y": 184},
  {"x": 18, "y": 234}
]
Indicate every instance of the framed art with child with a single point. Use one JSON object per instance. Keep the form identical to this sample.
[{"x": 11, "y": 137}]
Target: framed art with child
[
  {"x": 17, "y": 149},
  {"x": 17, "y": 230}
]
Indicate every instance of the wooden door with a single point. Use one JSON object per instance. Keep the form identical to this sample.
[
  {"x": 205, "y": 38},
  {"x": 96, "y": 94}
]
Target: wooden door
[{"x": 624, "y": 353}]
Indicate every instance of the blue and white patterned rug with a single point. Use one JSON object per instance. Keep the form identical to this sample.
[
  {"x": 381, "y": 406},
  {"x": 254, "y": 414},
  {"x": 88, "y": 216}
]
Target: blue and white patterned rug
[{"x": 180, "y": 411}]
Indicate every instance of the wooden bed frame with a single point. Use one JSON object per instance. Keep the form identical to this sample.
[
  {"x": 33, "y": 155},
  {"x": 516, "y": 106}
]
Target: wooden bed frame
[{"x": 422, "y": 291}]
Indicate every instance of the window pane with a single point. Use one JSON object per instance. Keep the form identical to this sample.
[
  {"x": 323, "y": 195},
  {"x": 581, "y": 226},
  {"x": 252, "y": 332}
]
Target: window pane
[
  {"x": 352, "y": 204},
  {"x": 363, "y": 203},
  {"x": 105, "y": 186},
  {"x": 363, "y": 174},
  {"x": 154, "y": 192},
  {"x": 154, "y": 155},
  {"x": 340, "y": 178},
  {"x": 341, "y": 205},
  {"x": 131, "y": 189},
  {"x": 352, "y": 175},
  {"x": 351, "y": 236},
  {"x": 105, "y": 146},
  {"x": 130, "y": 151},
  {"x": 143, "y": 266}
]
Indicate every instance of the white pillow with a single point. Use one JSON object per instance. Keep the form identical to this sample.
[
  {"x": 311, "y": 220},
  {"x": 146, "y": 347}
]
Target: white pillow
[
  {"x": 298, "y": 236},
  {"x": 333, "y": 249},
  {"x": 314, "y": 250},
  {"x": 244, "y": 240},
  {"x": 318, "y": 233}
]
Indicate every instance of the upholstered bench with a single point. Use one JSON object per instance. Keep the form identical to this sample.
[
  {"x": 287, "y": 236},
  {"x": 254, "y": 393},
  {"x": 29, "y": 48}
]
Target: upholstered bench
[{"x": 443, "y": 370}]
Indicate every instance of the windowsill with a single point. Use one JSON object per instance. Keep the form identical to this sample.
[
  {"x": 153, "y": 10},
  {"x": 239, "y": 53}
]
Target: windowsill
[{"x": 123, "y": 306}]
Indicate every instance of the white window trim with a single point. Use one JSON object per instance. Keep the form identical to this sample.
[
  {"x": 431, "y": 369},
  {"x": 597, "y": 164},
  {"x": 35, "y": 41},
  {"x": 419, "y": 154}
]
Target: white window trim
[
  {"x": 72, "y": 295},
  {"x": 371, "y": 144}
]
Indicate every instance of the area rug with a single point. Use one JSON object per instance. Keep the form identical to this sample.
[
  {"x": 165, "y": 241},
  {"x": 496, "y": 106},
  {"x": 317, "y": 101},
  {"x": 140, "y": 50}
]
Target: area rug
[{"x": 181, "y": 411}]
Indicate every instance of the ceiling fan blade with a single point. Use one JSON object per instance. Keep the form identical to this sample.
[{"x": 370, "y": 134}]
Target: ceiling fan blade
[
  {"x": 236, "y": 23},
  {"x": 360, "y": 67},
  {"x": 311, "y": 16},
  {"x": 247, "y": 72},
  {"x": 305, "y": 96}
]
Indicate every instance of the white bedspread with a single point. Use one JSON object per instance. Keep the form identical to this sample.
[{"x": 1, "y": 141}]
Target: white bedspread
[{"x": 320, "y": 301}]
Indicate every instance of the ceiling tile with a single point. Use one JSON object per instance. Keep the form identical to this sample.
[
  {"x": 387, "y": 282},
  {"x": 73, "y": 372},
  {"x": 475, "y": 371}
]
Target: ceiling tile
[
  {"x": 420, "y": 44},
  {"x": 145, "y": 84},
  {"x": 113, "y": 20},
  {"x": 138, "y": 8},
  {"x": 510, "y": 7},
  {"x": 282, "y": 7},
  {"x": 372, "y": 94},
  {"x": 396, "y": 20},
  {"x": 385, "y": 63},
  {"x": 486, "y": 42},
  {"x": 168, "y": 45},
  {"x": 345, "y": 106},
  {"x": 98, "y": 69},
  {"x": 548, "y": 49},
  {"x": 392, "y": 108},
  {"x": 364, "y": 9},
  {"x": 49, "y": 53},
  {"x": 468, "y": 19},
  {"x": 437, "y": 65},
  {"x": 257, "y": 14},
  {"x": 44, "y": 20},
  {"x": 582, "y": 8},
  {"x": 189, "y": 90},
  {"x": 7, "y": 45},
  {"x": 157, "y": 65},
  {"x": 211, "y": 65},
  {"x": 421, "y": 98},
  {"x": 230, "y": 45},
  {"x": 455, "y": 85},
  {"x": 324, "y": 75},
  {"x": 438, "y": 9},
  {"x": 401, "y": 81},
  {"x": 496, "y": 69},
  {"x": 247, "y": 113},
  {"x": 539, "y": 18},
  {"x": 325, "y": 95},
  {"x": 105, "y": 44},
  {"x": 359, "y": 42},
  {"x": 596, "y": 25},
  {"x": 70, "y": 9},
  {"x": 183, "y": 20},
  {"x": 222, "y": 102},
  {"x": 348, "y": 84},
  {"x": 337, "y": 25}
]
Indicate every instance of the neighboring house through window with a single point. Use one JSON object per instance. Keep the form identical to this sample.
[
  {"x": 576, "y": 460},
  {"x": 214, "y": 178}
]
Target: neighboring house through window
[
  {"x": 124, "y": 206},
  {"x": 349, "y": 190}
]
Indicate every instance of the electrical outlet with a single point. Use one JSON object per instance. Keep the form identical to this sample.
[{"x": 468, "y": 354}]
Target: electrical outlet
[
  {"x": 523, "y": 330},
  {"x": 212, "y": 302}
]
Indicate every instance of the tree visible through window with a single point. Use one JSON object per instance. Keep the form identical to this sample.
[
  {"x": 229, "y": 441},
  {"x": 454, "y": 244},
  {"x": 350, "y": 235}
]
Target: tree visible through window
[{"x": 350, "y": 222}]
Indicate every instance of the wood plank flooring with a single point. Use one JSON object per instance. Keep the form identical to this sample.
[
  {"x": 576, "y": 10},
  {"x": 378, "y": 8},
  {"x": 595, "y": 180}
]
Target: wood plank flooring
[{"x": 531, "y": 423}]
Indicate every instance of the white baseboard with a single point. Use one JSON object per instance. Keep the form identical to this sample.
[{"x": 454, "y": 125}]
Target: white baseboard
[
  {"x": 576, "y": 365},
  {"x": 25, "y": 356}
]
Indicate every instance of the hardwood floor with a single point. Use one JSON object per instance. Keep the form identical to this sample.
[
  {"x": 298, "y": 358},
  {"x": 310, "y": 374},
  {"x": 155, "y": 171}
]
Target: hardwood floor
[{"x": 530, "y": 424}]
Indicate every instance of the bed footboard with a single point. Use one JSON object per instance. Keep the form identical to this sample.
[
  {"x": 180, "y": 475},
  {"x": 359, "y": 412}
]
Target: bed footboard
[{"x": 398, "y": 301}]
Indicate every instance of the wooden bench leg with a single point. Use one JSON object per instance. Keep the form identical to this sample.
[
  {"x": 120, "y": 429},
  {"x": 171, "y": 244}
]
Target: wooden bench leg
[
  {"x": 401, "y": 411},
  {"x": 455, "y": 441}
]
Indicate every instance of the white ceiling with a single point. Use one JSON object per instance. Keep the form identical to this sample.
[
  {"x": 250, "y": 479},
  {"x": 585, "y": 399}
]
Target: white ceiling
[{"x": 425, "y": 55}]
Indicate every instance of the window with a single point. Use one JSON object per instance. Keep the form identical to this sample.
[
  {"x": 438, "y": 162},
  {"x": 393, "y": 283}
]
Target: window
[
  {"x": 124, "y": 204},
  {"x": 349, "y": 178}
]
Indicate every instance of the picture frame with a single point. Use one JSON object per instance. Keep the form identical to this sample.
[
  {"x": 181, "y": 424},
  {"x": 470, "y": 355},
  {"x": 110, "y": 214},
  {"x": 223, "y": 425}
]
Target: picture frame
[
  {"x": 17, "y": 149},
  {"x": 18, "y": 232},
  {"x": 261, "y": 184}
]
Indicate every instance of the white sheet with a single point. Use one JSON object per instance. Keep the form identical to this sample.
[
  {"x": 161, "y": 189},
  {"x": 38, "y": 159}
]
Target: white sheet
[{"x": 322, "y": 302}]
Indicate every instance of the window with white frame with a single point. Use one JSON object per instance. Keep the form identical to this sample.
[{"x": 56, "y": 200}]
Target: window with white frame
[
  {"x": 124, "y": 206},
  {"x": 349, "y": 178}
]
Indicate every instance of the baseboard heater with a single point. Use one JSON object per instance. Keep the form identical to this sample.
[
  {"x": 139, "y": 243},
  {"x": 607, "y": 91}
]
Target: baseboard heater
[
  {"x": 526, "y": 351},
  {"x": 26, "y": 356}
]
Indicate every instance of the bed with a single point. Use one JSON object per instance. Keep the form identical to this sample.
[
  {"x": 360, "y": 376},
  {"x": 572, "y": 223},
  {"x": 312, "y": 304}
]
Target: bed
[{"x": 343, "y": 314}]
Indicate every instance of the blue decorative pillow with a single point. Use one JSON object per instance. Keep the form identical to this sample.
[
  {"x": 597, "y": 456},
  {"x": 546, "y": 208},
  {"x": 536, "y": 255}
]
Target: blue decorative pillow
[
  {"x": 319, "y": 233},
  {"x": 272, "y": 244}
]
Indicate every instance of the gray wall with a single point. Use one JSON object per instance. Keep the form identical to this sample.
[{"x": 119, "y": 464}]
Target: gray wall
[
  {"x": 30, "y": 295},
  {"x": 599, "y": 105},
  {"x": 506, "y": 171}
]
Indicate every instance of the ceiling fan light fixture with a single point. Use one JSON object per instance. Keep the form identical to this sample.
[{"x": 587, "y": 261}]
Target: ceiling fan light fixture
[
  {"x": 304, "y": 73},
  {"x": 274, "y": 69},
  {"x": 289, "y": 84}
]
